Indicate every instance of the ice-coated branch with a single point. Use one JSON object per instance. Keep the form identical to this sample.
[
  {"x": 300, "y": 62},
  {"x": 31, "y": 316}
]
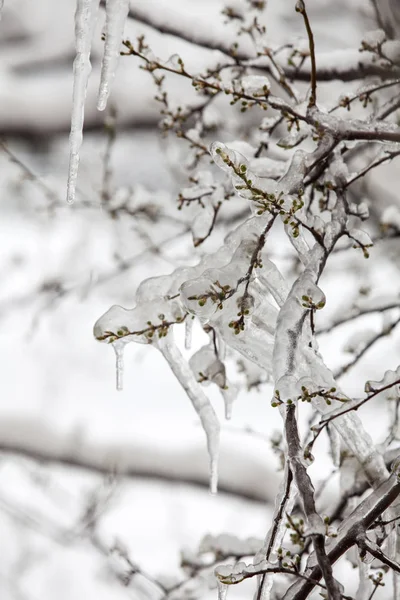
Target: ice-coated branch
[
  {"x": 301, "y": 8},
  {"x": 316, "y": 528},
  {"x": 344, "y": 65},
  {"x": 371, "y": 306},
  {"x": 283, "y": 505},
  {"x": 295, "y": 359},
  {"x": 366, "y": 545},
  {"x": 386, "y": 330},
  {"x": 349, "y": 530},
  {"x": 357, "y": 405}
]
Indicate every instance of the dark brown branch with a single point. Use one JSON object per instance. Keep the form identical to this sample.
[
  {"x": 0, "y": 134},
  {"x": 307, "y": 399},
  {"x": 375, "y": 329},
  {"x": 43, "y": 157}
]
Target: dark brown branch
[
  {"x": 301, "y": 8},
  {"x": 306, "y": 491},
  {"x": 278, "y": 516},
  {"x": 351, "y": 527}
]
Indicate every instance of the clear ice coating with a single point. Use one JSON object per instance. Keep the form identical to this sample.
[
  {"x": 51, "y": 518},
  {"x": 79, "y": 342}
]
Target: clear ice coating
[
  {"x": 207, "y": 367},
  {"x": 85, "y": 19},
  {"x": 116, "y": 14}
]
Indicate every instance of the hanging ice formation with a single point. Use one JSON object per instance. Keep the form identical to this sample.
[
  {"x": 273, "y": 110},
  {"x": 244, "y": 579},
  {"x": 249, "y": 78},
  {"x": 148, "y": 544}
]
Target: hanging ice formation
[
  {"x": 119, "y": 364},
  {"x": 85, "y": 21},
  {"x": 85, "y": 18},
  {"x": 116, "y": 13}
]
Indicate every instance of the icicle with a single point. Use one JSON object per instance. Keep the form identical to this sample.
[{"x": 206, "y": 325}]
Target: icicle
[
  {"x": 116, "y": 13},
  {"x": 365, "y": 585},
  {"x": 119, "y": 364},
  {"x": 221, "y": 346},
  {"x": 222, "y": 590},
  {"x": 229, "y": 395},
  {"x": 335, "y": 444},
  {"x": 188, "y": 332},
  {"x": 201, "y": 403},
  {"x": 1, "y": 7},
  {"x": 266, "y": 587},
  {"x": 85, "y": 18}
]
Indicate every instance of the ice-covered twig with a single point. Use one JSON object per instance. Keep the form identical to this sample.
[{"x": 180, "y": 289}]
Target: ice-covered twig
[
  {"x": 301, "y": 8},
  {"x": 304, "y": 485},
  {"x": 366, "y": 545},
  {"x": 350, "y": 528},
  {"x": 357, "y": 405},
  {"x": 283, "y": 505},
  {"x": 386, "y": 330},
  {"x": 346, "y": 65},
  {"x": 354, "y": 313}
]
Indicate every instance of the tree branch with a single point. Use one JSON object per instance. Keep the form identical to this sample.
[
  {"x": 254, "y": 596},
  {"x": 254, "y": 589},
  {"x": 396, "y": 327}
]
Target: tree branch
[
  {"x": 145, "y": 457},
  {"x": 306, "y": 491}
]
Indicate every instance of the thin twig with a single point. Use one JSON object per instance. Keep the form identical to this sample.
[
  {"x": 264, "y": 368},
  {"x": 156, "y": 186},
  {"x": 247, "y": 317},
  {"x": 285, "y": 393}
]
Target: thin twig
[{"x": 301, "y": 8}]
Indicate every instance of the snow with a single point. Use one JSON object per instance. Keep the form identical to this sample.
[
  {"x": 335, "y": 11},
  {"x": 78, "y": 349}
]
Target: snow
[
  {"x": 391, "y": 50},
  {"x": 256, "y": 85},
  {"x": 391, "y": 217},
  {"x": 228, "y": 544},
  {"x": 374, "y": 38}
]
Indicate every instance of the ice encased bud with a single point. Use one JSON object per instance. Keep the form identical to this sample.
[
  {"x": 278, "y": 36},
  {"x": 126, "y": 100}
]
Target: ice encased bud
[{"x": 207, "y": 367}]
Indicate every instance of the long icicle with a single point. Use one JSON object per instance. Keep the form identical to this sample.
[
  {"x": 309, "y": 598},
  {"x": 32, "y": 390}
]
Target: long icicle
[
  {"x": 200, "y": 402},
  {"x": 85, "y": 18},
  {"x": 116, "y": 14}
]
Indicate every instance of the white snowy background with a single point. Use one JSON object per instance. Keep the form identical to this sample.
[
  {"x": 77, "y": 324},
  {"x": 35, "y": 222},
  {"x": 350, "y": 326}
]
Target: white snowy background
[{"x": 57, "y": 384}]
